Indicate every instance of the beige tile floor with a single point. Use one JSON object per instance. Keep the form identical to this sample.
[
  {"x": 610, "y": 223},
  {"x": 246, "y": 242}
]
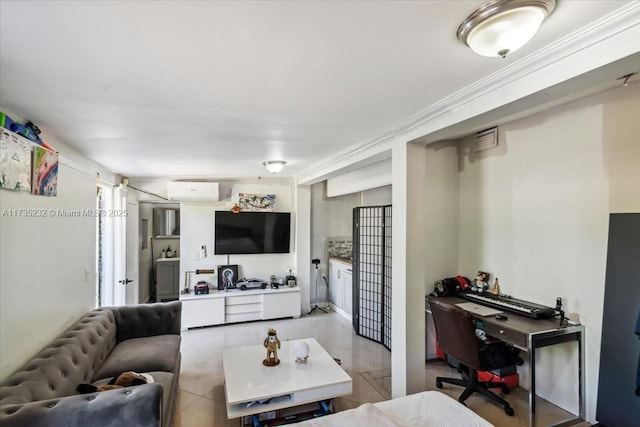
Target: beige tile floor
[{"x": 201, "y": 400}]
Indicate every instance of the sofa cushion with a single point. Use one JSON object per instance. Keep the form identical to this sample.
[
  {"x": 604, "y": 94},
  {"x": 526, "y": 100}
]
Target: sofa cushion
[{"x": 158, "y": 353}]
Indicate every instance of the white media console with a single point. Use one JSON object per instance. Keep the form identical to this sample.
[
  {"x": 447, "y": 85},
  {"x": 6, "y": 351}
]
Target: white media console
[{"x": 221, "y": 307}]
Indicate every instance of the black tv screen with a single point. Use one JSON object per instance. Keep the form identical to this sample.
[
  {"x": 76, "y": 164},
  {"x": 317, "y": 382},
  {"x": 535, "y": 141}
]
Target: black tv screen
[{"x": 252, "y": 232}]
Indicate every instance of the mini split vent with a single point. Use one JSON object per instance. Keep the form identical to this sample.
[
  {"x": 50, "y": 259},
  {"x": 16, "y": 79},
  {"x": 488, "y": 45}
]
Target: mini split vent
[
  {"x": 193, "y": 191},
  {"x": 486, "y": 140}
]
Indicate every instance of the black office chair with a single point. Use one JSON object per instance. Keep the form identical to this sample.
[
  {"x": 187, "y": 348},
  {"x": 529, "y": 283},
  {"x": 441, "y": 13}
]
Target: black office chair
[{"x": 456, "y": 336}]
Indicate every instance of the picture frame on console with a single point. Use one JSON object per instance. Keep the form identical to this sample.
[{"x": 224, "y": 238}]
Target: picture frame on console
[{"x": 227, "y": 276}]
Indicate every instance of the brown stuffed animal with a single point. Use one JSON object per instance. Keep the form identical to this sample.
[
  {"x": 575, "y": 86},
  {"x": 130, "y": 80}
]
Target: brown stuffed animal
[{"x": 125, "y": 379}]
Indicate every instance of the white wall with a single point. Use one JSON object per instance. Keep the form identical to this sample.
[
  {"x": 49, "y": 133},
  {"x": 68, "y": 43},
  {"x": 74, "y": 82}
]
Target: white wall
[
  {"x": 376, "y": 196},
  {"x": 534, "y": 213},
  {"x": 621, "y": 140},
  {"x": 43, "y": 287},
  {"x": 440, "y": 208}
]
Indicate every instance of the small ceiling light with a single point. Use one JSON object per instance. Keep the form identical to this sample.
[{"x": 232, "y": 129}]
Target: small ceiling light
[
  {"x": 503, "y": 26},
  {"x": 274, "y": 166}
]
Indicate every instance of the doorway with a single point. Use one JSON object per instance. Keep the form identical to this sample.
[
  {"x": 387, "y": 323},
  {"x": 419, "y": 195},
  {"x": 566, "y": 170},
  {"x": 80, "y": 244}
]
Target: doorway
[
  {"x": 116, "y": 247},
  {"x": 132, "y": 251}
]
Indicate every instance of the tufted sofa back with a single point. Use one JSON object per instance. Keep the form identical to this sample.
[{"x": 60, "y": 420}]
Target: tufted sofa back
[
  {"x": 71, "y": 359},
  {"x": 148, "y": 320}
]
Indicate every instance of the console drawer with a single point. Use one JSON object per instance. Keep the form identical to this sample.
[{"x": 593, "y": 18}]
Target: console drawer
[
  {"x": 243, "y": 299},
  {"x": 241, "y": 317},
  {"x": 516, "y": 338},
  {"x": 243, "y": 308}
]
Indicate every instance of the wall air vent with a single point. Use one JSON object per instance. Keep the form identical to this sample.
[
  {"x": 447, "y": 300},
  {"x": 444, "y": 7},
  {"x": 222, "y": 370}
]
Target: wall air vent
[{"x": 486, "y": 140}]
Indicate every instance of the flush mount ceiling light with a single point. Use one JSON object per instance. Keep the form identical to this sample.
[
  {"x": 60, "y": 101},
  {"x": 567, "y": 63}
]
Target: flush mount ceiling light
[
  {"x": 274, "y": 166},
  {"x": 503, "y": 26}
]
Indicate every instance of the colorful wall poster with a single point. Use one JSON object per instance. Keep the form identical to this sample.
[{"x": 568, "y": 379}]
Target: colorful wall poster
[
  {"x": 45, "y": 172},
  {"x": 257, "y": 202}
]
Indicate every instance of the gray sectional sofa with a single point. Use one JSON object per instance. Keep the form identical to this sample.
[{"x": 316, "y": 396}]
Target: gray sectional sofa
[{"x": 102, "y": 344}]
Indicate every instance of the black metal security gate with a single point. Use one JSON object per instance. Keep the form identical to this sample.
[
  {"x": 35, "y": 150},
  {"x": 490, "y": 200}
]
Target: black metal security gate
[{"x": 372, "y": 273}]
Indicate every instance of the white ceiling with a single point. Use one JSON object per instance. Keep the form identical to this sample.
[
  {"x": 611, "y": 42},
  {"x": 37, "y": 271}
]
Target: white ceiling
[{"x": 213, "y": 89}]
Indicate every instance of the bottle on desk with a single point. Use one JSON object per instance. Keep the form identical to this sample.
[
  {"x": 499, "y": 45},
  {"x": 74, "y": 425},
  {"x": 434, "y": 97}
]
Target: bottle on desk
[{"x": 290, "y": 280}]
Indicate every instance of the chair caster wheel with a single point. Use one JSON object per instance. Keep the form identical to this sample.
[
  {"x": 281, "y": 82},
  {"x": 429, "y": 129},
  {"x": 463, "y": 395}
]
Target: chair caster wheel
[
  {"x": 505, "y": 389},
  {"x": 438, "y": 383},
  {"x": 509, "y": 411}
]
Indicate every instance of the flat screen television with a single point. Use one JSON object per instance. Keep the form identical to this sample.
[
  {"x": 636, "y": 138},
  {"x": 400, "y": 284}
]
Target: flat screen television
[{"x": 252, "y": 232}]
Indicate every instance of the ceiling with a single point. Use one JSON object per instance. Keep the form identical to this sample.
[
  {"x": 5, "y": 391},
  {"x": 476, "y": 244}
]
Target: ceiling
[{"x": 213, "y": 89}]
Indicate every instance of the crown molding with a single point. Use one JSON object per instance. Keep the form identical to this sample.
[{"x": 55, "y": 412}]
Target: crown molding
[
  {"x": 355, "y": 156},
  {"x": 624, "y": 19}
]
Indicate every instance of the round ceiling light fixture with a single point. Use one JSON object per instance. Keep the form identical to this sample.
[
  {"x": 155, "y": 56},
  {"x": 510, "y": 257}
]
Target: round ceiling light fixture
[
  {"x": 503, "y": 26},
  {"x": 274, "y": 166}
]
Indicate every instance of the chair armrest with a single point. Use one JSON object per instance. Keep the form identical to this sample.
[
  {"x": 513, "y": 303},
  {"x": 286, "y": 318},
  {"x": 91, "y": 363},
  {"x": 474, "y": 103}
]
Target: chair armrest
[
  {"x": 147, "y": 320},
  {"x": 139, "y": 406}
]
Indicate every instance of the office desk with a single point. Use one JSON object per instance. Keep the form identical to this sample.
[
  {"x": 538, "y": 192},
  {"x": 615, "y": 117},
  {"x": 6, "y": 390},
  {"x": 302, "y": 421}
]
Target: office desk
[{"x": 529, "y": 334}]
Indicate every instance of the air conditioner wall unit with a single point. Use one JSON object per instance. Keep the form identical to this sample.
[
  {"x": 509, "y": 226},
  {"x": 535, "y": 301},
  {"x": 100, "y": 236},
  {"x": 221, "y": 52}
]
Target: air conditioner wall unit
[{"x": 193, "y": 191}]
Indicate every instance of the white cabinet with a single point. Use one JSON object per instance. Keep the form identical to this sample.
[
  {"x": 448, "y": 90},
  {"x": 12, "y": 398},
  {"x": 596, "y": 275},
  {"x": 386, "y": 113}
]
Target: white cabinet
[
  {"x": 341, "y": 287},
  {"x": 221, "y": 307},
  {"x": 280, "y": 305},
  {"x": 167, "y": 279},
  {"x": 335, "y": 282},
  {"x": 347, "y": 286},
  {"x": 202, "y": 312}
]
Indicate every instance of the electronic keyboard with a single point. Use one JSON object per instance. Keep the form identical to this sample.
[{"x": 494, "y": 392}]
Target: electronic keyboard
[{"x": 514, "y": 305}]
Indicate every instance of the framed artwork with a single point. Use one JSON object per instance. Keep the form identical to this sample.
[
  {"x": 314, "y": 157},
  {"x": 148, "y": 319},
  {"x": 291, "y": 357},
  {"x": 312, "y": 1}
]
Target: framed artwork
[
  {"x": 227, "y": 276},
  {"x": 257, "y": 202}
]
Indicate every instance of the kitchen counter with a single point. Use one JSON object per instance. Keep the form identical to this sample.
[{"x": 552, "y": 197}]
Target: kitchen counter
[
  {"x": 346, "y": 261},
  {"x": 167, "y": 259}
]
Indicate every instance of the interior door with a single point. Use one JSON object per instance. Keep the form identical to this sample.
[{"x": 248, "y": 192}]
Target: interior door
[
  {"x": 119, "y": 244},
  {"x": 132, "y": 251}
]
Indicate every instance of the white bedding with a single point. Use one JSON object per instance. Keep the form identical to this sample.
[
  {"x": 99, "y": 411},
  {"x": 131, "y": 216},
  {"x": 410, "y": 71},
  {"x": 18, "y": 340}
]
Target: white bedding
[{"x": 426, "y": 409}]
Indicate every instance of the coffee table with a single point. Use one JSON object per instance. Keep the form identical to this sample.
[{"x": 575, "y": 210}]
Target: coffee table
[{"x": 288, "y": 384}]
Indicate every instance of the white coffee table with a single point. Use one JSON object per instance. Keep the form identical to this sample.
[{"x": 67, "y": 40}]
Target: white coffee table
[{"x": 288, "y": 384}]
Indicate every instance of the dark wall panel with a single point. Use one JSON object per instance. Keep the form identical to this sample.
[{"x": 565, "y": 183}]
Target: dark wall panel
[{"x": 618, "y": 401}]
